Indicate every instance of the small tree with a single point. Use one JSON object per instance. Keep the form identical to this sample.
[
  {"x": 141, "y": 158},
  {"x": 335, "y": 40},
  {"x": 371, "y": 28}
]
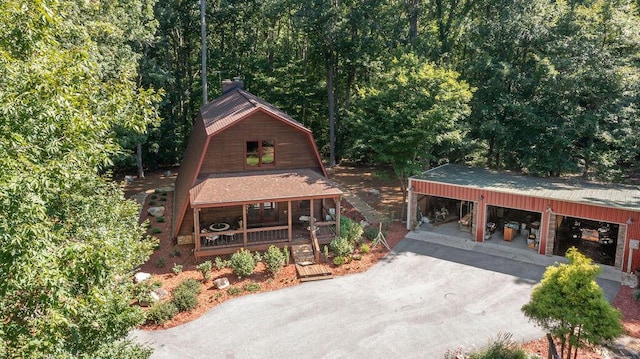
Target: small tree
[
  {"x": 274, "y": 260},
  {"x": 572, "y": 307}
]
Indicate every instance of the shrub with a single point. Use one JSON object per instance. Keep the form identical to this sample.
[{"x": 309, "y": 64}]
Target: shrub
[
  {"x": 273, "y": 260},
  {"x": 351, "y": 230},
  {"x": 252, "y": 287},
  {"x": 339, "y": 260},
  {"x": 501, "y": 348},
  {"x": 357, "y": 257},
  {"x": 371, "y": 233},
  {"x": 257, "y": 257},
  {"x": 222, "y": 263},
  {"x": 175, "y": 252},
  {"x": 156, "y": 230},
  {"x": 185, "y": 296},
  {"x": 364, "y": 248},
  {"x": 341, "y": 247},
  {"x": 161, "y": 312},
  {"x": 161, "y": 262},
  {"x": 287, "y": 255},
  {"x": 152, "y": 203},
  {"x": 177, "y": 268},
  {"x": 142, "y": 291},
  {"x": 243, "y": 263},
  {"x": 325, "y": 250},
  {"x": 638, "y": 295},
  {"x": 160, "y": 219},
  {"x": 153, "y": 196},
  {"x": 205, "y": 269},
  {"x": 234, "y": 290}
]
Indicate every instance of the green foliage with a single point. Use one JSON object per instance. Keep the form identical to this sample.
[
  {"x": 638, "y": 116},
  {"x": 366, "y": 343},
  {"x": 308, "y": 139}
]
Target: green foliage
[
  {"x": 234, "y": 291},
  {"x": 257, "y": 257},
  {"x": 205, "y": 269},
  {"x": 356, "y": 256},
  {"x": 152, "y": 203},
  {"x": 365, "y": 248},
  {"x": 371, "y": 232},
  {"x": 274, "y": 260},
  {"x": 160, "y": 219},
  {"x": 637, "y": 295},
  {"x": 341, "y": 247},
  {"x": 339, "y": 260},
  {"x": 176, "y": 252},
  {"x": 570, "y": 305},
  {"x": 243, "y": 263},
  {"x": 503, "y": 347},
  {"x": 325, "y": 251},
  {"x": 142, "y": 291},
  {"x": 156, "y": 230},
  {"x": 252, "y": 287},
  {"x": 351, "y": 230},
  {"x": 161, "y": 262},
  {"x": 185, "y": 295},
  {"x": 287, "y": 255},
  {"x": 161, "y": 312},
  {"x": 222, "y": 263},
  {"x": 177, "y": 268}
]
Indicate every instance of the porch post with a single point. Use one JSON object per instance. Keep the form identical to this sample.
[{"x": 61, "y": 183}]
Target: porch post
[
  {"x": 244, "y": 225},
  {"x": 338, "y": 215},
  {"x": 196, "y": 228},
  {"x": 289, "y": 221},
  {"x": 312, "y": 220}
]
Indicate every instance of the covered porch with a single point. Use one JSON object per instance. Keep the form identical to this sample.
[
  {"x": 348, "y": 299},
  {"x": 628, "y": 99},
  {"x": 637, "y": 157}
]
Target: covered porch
[{"x": 256, "y": 211}]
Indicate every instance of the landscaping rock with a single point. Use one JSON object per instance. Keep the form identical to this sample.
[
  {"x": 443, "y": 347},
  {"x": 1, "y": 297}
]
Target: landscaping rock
[
  {"x": 141, "y": 277},
  {"x": 221, "y": 283},
  {"x": 161, "y": 293},
  {"x": 128, "y": 179},
  {"x": 168, "y": 173},
  {"x": 156, "y": 211}
]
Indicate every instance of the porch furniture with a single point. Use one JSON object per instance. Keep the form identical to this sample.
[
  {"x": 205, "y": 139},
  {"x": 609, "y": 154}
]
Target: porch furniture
[
  {"x": 465, "y": 222},
  {"x": 211, "y": 240},
  {"x": 219, "y": 227}
]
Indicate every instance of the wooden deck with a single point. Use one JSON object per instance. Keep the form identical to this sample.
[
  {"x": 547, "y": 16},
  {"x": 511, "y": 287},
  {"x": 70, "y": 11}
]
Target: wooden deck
[
  {"x": 306, "y": 267},
  {"x": 313, "y": 272}
]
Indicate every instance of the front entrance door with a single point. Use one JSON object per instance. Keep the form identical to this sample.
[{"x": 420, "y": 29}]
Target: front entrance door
[{"x": 262, "y": 213}]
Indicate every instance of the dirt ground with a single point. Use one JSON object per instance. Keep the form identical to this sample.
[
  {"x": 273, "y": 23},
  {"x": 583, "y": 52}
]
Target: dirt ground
[{"x": 376, "y": 186}]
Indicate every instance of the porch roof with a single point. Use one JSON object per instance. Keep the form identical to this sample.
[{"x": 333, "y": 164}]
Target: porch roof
[{"x": 239, "y": 188}]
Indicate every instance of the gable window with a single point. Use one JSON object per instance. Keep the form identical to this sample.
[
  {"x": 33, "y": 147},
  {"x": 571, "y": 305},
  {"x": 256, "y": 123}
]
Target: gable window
[{"x": 260, "y": 153}]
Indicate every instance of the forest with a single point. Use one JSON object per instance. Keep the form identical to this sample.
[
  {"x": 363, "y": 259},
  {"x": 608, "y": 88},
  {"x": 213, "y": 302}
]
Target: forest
[
  {"x": 544, "y": 87},
  {"x": 549, "y": 88}
]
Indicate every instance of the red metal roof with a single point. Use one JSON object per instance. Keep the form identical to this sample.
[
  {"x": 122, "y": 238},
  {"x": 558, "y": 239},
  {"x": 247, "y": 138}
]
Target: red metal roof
[{"x": 238, "y": 188}]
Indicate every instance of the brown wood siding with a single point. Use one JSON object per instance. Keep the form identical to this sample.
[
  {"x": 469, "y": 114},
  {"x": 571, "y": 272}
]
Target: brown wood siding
[{"x": 226, "y": 152}]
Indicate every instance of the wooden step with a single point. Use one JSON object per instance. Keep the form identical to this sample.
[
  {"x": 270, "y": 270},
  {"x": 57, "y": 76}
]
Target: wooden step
[{"x": 313, "y": 272}]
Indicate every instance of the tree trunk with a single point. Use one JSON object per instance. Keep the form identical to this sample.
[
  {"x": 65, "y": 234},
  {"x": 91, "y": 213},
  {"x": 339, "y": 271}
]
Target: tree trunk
[
  {"x": 332, "y": 110},
  {"x": 139, "y": 160}
]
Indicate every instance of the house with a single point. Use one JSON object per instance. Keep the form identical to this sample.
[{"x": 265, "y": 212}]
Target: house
[
  {"x": 545, "y": 215},
  {"x": 251, "y": 177}
]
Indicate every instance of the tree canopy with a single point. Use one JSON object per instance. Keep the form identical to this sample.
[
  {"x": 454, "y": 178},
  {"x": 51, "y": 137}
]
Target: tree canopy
[
  {"x": 69, "y": 240},
  {"x": 570, "y": 305}
]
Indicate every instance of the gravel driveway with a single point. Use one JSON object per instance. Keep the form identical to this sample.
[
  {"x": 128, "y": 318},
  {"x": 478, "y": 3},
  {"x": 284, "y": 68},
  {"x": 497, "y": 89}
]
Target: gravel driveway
[{"x": 419, "y": 301}]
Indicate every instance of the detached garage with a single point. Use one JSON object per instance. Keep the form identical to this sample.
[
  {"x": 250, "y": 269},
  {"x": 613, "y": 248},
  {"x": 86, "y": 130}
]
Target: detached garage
[{"x": 548, "y": 215}]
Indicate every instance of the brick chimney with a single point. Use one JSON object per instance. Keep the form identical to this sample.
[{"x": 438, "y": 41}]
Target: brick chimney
[{"x": 228, "y": 85}]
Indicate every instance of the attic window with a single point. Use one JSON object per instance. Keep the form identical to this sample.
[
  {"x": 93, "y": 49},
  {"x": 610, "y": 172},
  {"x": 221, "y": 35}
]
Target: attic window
[{"x": 260, "y": 153}]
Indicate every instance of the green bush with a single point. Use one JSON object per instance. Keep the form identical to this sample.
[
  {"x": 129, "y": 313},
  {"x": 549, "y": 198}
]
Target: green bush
[
  {"x": 243, "y": 263},
  {"x": 351, "y": 230},
  {"x": 177, "y": 268},
  {"x": 501, "y": 348},
  {"x": 339, "y": 260},
  {"x": 252, "y": 287},
  {"x": 371, "y": 233},
  {"x": 257, "y": 257},
  {"x": 156, "y": 230},
  {"x": 365, "y": 248},
  {"x": 273, "y": 260},
  {"x": 205, "y": 269},
  {"x": 234, "y": 290},
  {"x": 161, "y": 312},
  {"x": 287, "y": 255},
  {"x": 638, "y": 295},
  {"x": 161, "y": 262},
  {"x": 221, "y": 263},
  {"x": 152, "y": 203},
  {"x": 341, "y": 247},
  {"x": 357, "y": 257},
  {"x": 142, "y": 291},
  {"x": 185, "y": 296},
  {"x": 160, "y": 219},
  {"x": 176, "y": 252}
]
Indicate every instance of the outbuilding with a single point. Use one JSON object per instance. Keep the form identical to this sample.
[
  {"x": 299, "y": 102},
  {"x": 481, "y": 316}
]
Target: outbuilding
[{"x": 546, "y": 215}]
